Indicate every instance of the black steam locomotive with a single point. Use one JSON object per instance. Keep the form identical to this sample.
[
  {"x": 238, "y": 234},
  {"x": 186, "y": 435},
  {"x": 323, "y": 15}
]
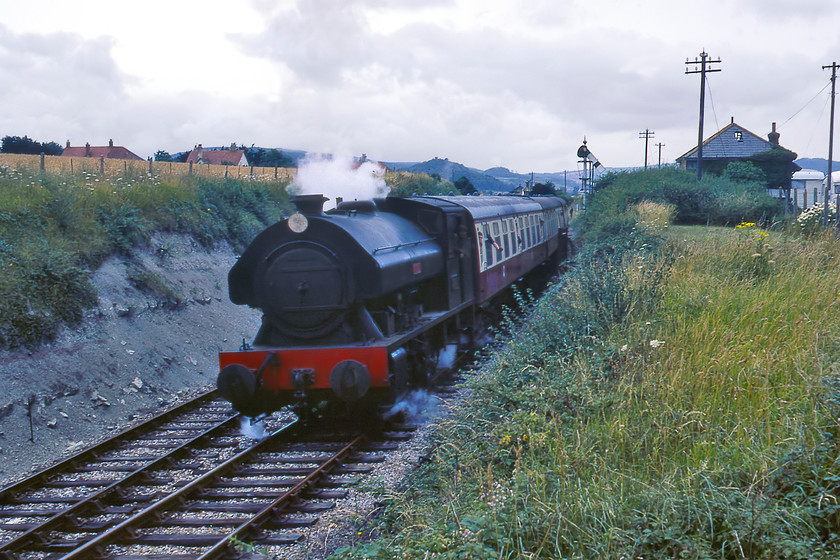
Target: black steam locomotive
[{"x": 359, "y": 301}]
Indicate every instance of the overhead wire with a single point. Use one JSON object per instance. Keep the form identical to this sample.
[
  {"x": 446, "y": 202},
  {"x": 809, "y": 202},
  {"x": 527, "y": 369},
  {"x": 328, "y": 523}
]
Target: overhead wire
[
  {"x": 714, "y": 112},
  {"x": 819, "y": 117}
]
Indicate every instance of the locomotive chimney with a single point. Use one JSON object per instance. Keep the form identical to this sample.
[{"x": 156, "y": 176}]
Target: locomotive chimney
[{"x": 310, "y": 204}]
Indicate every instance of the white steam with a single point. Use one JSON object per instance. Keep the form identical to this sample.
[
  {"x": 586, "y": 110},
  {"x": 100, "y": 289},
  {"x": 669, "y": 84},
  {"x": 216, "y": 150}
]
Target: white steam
[
  {"x": 339, "y": 177},
  {"x": 251, "y": 429},
  {"x": 417, "y": 406}
]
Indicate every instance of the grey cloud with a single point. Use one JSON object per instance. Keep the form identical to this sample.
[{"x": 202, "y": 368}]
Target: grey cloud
[
  {"x": 316, "y": 39},
  {"x": 57, "y": 78}
]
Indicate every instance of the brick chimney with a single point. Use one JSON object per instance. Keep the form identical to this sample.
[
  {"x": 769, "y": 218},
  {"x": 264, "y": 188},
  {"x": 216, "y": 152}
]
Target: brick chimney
[
  {"x": 87, "y": 149},
  {"x": 111, "y": 143},
  {"x": 68, "y": 143},
  {"x": 200, "y": 153},
  {"x": 774, "y": 136}
]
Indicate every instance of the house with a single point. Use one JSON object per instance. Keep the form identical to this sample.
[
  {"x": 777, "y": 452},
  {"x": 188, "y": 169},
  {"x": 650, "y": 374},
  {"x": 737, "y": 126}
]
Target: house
[
  {"x": 225, "y": 156},
  {"x": 735, "y": 143},
  {"x": 108, "y": 152}
]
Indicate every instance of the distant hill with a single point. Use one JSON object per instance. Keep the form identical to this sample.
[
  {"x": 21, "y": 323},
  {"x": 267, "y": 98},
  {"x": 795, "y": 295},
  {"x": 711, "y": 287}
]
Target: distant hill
[
  {"x": 452, "y": 171},
  {"x": 560, "y": 179},
  {"x": 817, "y": 164},
  {"x": 495, "y": 179}
]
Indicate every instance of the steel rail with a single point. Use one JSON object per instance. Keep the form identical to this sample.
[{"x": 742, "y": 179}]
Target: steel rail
[
  {"x": 94, "y": 548},
  {"x": 221, "y": 548},
  {"x": 96, "y": 500},
  {"x": 90, "y": 453}
]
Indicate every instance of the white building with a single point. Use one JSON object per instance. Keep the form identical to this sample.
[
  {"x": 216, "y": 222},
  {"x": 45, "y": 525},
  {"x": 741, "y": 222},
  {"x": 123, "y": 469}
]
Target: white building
[{"x": 807, "y": 187}]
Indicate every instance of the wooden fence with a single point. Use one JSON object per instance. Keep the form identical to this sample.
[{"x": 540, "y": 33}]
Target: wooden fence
[{"x": 120, "y": 167}]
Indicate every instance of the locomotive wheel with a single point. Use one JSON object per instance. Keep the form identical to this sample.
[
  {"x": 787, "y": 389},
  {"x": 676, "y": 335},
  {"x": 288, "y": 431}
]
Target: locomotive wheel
[{"x": 238, "y": 385}]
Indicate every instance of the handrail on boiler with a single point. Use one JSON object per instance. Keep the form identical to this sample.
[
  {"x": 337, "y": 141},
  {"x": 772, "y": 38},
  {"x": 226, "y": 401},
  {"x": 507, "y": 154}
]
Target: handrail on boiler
[{"x": 401, "y": 245}]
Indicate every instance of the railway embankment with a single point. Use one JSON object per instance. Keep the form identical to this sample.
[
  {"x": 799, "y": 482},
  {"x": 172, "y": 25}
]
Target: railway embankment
[
  {"x": 674, "y": 395},
  {"x": 135, "y": 352},
  {"x": 113, "y": 299}
]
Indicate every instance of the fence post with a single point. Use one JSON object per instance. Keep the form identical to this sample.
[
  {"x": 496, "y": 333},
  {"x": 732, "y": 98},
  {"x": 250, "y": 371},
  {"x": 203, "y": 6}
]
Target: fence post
[
  {"x": 275, "y": 172},
  {"x": 252, "y": 170},
  {"x": 43, "y": 167},
  {"x": 226, "y": 170},
  {"x": 102, "y": 165},
  {"x": 150, "y": 165},
  {"x": 190, "y": 168}
]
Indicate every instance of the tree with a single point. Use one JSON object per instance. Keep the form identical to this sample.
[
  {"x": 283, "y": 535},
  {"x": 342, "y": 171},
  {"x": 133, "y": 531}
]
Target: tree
[
  {"x": 162, "y": 155},
  {"x": 26, "y": 145},
  {"x": 260, "y": 157},
  {"x": 465, "y": 186},
  {"x": 543, "y": 188}
]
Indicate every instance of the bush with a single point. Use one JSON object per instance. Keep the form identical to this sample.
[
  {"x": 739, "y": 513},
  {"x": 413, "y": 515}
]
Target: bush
[{"x": 714, "y": 200}]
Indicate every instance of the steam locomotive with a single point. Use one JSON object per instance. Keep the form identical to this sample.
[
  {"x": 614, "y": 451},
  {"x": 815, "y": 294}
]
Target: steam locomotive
[{"x": 359, "y": 302}]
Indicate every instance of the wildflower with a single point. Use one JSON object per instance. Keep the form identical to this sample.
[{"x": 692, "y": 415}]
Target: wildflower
[
  {"x": 624, "y": 347},
  {"x": 656, "y": 343}
]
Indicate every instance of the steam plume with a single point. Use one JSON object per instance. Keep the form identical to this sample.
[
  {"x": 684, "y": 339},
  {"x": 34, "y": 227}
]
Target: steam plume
[{"x": 339, "y": 177}]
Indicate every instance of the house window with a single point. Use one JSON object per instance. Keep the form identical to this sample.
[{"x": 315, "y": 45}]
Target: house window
[{"x": 739, "y": 136}]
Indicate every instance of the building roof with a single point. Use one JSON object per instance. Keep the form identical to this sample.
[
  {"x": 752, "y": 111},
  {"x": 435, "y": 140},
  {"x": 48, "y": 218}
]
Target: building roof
[
  {"x": 226, "y": 156},
  {"x": 808, "y": 175},
  {"x": 109, "y": 152},
  {"x": 732, "y": 142}
]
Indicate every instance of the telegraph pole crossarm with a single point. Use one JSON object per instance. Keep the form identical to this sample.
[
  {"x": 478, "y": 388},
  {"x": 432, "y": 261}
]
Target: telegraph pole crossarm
[{"x": 704, "y": 68}]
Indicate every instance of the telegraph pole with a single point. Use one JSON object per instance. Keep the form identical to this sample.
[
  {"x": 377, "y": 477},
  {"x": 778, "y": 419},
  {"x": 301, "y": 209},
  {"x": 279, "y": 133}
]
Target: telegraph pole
[
  {"x": 828, "y": 182},
  {"x": 660, "y": 144},
  {"x": 647, "y": 135},
  {"x": 705, "y": 66}
]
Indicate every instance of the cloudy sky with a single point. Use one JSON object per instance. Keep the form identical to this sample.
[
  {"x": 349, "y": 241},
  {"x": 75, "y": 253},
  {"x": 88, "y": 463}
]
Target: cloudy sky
[{"x": 482, "y": 82}]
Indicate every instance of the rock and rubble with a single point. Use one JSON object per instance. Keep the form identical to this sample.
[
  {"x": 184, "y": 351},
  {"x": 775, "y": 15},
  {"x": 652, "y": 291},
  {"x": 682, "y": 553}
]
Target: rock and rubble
[{"x": 135, "y": 354}]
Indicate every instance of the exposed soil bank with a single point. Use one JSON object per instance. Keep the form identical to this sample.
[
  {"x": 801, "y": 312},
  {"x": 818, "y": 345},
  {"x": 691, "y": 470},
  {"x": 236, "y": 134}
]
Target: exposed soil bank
[{"x": 133, "y": 355}]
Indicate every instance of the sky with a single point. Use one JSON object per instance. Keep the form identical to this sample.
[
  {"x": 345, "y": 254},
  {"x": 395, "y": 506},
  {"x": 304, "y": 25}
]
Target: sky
[{"x": 486, "y": 83}]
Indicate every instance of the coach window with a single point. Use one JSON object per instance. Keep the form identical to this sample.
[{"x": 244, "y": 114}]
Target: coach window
[
  {"x": 488, "y": 247},
  {"x": 497, "y": 240},
  {"x": 480, "y": 240}
]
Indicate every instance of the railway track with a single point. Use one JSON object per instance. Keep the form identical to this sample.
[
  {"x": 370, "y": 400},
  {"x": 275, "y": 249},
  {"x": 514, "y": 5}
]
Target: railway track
[{"x": 184, "y": 485}]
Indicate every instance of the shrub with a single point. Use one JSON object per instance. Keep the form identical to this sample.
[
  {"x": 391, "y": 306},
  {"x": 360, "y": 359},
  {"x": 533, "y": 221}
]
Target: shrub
[{"x": 714, "y": 200}]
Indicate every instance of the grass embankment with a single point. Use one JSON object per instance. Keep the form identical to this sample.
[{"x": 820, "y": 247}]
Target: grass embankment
[
  {"x": 674, "y": 396},
  {"x": 55, "y": 228}
]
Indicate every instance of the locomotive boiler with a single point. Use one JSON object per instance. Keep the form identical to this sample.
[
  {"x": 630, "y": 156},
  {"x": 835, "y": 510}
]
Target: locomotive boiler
[{"x": 359, "y": 301}]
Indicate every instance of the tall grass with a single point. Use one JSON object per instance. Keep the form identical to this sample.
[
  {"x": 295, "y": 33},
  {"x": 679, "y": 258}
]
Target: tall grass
[
  {"x": 673, "y": 398},
  {"x": 55, "y": 228}
]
